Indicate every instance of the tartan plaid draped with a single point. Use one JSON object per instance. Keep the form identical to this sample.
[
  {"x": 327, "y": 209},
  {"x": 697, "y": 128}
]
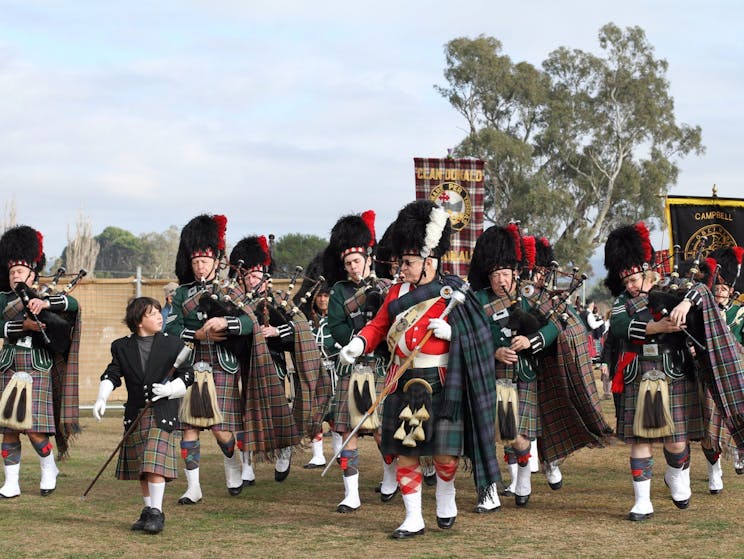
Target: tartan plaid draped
[
  {"x": 722, "y": 366},
  {"x": 65, "y": 374},
  {"x": 311, "y": 401},
  {"x": 268, "y": 422},
  {"x": 569, "y": 405},
  {"x": 470, "y": 385}
]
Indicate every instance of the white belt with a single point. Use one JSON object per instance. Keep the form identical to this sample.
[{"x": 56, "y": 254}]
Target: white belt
[{"x": 425, "y": 360}]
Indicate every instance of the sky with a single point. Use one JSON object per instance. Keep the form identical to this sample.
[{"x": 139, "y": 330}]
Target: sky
[{"x": 286, "y": 115}]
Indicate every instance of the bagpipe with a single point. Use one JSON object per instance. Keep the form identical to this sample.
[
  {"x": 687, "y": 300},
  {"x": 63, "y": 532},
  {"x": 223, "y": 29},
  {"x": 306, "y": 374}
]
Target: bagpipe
[
  {"x": 671, "y": 290},
  {"x": 546, "y": 300},
  {"x": 55, "y": 327}
]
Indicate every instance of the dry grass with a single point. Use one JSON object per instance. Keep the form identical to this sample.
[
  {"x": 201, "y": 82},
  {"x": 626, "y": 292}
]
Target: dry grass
[{"x": 297, "y": 519}]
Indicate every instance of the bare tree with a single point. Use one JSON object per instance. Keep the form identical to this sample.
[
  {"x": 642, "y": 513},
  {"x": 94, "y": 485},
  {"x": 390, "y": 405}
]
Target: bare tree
[
  {"x": 82, "y": 249},
  {"x": 9, "y": 215}
]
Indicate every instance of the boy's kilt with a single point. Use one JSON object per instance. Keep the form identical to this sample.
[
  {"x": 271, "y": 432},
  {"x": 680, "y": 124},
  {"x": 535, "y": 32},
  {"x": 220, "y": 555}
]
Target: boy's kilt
[{"x": 148, "y": 450}]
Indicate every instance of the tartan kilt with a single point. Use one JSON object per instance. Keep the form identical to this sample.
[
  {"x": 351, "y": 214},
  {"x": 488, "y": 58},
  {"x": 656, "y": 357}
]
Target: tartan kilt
[
  {"x": 41, "y": 392},
  {"x": 340, "y": 406},
  {"x": 686, "y": 409},
  {"x": 148, "y": 450},
  {"x": 528, "y": 421},
  {"x": 443, "y": 436}
]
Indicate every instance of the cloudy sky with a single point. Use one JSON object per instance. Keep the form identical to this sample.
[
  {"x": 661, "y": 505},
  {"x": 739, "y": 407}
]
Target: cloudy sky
[{"x": 285, "y": 115}]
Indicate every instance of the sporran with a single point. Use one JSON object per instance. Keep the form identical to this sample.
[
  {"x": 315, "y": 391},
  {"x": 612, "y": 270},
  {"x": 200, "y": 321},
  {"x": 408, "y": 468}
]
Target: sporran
[{"x": 653, "y": 415}]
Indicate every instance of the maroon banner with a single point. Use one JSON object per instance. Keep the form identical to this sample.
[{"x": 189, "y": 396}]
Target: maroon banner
[{"x": 456, "y": 185}]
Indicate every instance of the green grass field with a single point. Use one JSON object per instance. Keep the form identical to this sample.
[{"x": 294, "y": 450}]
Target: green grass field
[{"x": 297, "y": 518}]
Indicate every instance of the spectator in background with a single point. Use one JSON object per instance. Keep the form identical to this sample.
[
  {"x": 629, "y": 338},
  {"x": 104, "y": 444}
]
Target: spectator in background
[{"x": 168, "y": 290}]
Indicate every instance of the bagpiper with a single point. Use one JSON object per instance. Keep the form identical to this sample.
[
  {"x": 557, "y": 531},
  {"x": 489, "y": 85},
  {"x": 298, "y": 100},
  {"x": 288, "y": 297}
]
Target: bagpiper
[
  {"x": 443, "y": 404},
  {"x": 38, "y": 361}
]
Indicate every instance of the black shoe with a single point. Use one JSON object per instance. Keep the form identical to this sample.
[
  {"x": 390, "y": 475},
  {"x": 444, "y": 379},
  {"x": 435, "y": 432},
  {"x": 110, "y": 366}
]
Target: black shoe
[
  {"x": 378, "y": 489},
  {"x": 556, "y": 486},
  {"x": 46, "y": 492},
  {"x": 480, "y": 509},
  {"x": 403, "y": 534},
  {"x": 249, "y": 482},
  {"x": 638, "y": 517},
  {"x": 311, "y": 466},
  {"x": 343, "y": 509},
  {"x": 446, "y": 523},
  {"x": 155, "y": 523},
  {"x": 186, "y": 501},
  {"x": 431, "y": 480},
  {"x": 143, "y": 518},
  {"x": 739, "y": 471},
  {"x": 521, "y": 500},
  {"x": 682, "y": 504},
  {"x": 716, "y": 491},
  {"x": 281, "y": 476},
  {"x": 385, "y": 497},
  {"x": 235, "y": 491},
  {"x": 506, "y": 493}
]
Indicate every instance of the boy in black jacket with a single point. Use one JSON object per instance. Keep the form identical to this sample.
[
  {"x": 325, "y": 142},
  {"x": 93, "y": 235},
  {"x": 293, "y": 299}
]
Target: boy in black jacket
[{"x": 145, "y": 359}]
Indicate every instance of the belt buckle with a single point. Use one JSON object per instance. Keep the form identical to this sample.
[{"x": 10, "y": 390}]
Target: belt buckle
[
  {"x": 653, "y": 374},
  {"x": 651, "y": 350},
  {"x": 25, "y": 341}
]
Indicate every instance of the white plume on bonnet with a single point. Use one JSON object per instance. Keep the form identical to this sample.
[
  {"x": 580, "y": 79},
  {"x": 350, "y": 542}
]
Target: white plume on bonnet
[{"x": 434, "y": 229}]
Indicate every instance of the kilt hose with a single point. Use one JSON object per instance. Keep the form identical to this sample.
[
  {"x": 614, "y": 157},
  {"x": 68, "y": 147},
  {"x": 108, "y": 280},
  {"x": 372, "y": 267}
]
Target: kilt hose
[
  {"x": 41, "y": 392},
  {"x": 148, "y": 450},
  {"x": 443, "y": 436}
]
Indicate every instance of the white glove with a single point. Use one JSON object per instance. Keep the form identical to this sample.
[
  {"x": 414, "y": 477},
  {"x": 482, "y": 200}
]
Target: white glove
[
  {"x": 171, "y": 390},
  {"x": 351, "y": 351},
  {"x": 441, "y": 327},
  {"x": 104, "y": 391}
]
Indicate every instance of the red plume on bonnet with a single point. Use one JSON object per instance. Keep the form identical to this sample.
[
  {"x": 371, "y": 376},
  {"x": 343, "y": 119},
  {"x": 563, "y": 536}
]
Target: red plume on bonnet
[
  {"x": 265, "y": 247},
  {"x": 738, "y": 253},
  {"x": 369, "y": 220},
  {"x": 221, "y": 222},
  {"x": 530, "y": 251},
  {"x": 41, "y": 246},
  {"x": 514, "y": 232},
  {"x": 645, "y": 241}
]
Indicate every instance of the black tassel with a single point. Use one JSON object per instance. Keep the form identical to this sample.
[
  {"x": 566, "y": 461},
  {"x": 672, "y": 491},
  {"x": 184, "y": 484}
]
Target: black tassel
[
  {"x": 649, "y": 415},
  {"x": 659, "y": 417},
  {"x": 363, "y": 399},
  {"x": 21, "y": 411},
  {"x": 507, "y": 422},
  {"x": 8, "y": 409},
  {"x": 195, "y": 404},
  {"x": 206, "y": 401}
]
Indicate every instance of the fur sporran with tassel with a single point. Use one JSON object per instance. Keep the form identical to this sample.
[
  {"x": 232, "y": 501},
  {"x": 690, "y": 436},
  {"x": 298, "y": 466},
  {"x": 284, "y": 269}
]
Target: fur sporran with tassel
[
  {"x": 653, "y": 415},
  {"x": 199, "y": 406},
  {"x": 16, "y": 403},
  {"x": 362, "y": 394},
  {"x": 506, "y": 409},
  {"x": 415, "y": 413}
]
